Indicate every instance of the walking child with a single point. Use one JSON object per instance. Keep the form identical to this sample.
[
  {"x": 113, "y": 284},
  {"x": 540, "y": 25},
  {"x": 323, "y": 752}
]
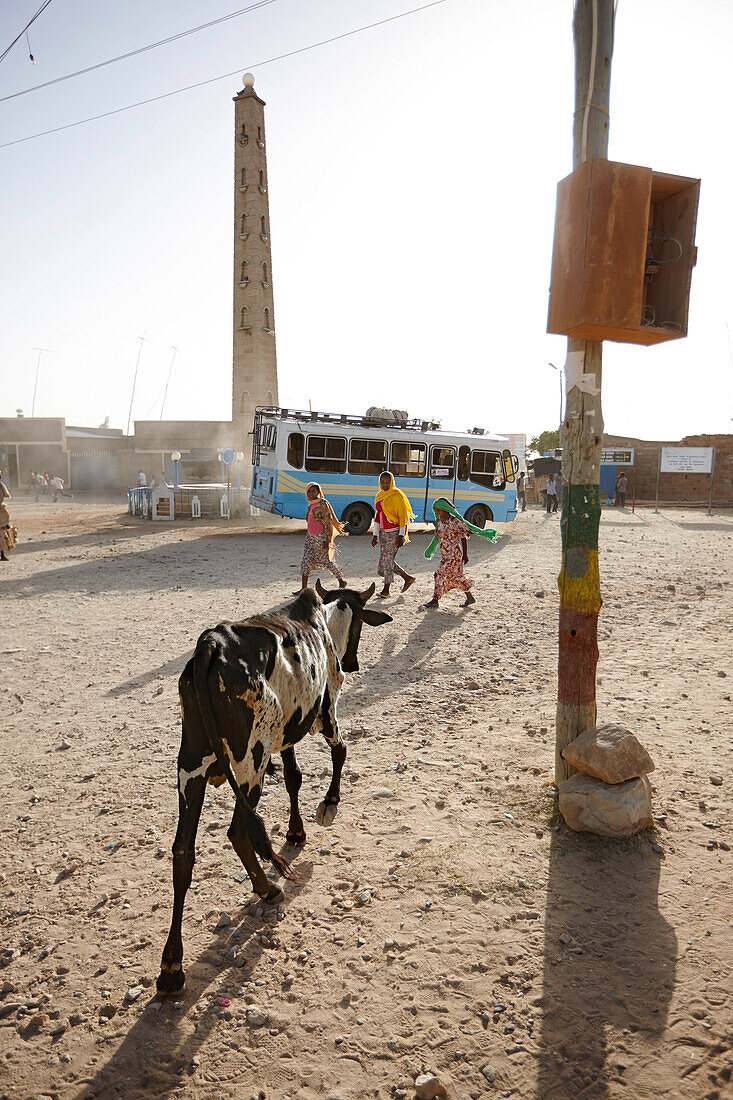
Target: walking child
[
  {"x": 323, "y": 527},
  {"x": 451, "y": 535}
]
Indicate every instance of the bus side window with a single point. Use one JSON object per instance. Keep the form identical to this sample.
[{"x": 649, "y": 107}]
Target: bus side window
[
  {"x": 325, "y": 454},
  {"x": 464, "y": 455},
  {"x": 296, "y": 444},
  {"x": 408, "y": 459},
  {"x": 442, "y": 462},
  {"x": 367, "y": 456},
  {"x": 486, "y": 469}
]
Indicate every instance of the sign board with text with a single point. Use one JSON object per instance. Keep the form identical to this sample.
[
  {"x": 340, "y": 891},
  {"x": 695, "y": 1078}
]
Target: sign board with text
[
  {"x": 687, "y": 460},
  {"x": 617, "y": 456}
]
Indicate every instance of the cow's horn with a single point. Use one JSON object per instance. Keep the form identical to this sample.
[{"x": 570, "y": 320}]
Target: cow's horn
[
  {"x": 320, "y": 589},
  {"x": 367, "y": 593}
]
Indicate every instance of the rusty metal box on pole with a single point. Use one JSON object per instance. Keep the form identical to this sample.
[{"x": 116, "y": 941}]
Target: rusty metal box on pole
[{"x": 623, "y": 253}]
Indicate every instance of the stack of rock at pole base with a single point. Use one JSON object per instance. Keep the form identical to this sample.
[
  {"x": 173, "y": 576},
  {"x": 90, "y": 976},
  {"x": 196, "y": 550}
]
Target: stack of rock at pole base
[{"x": 610, "y": 795}]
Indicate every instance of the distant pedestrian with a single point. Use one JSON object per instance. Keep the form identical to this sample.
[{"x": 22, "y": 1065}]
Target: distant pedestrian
[
  {"x": 551, "y": 494},
  {"x": 392, "y": 516},
  {"x": 8, "y": 533},
  {"x": 522, "y": 491},
  {"x": 323, "y": 527},
  {"x": 622, "y": 486},
  {"x": 57, "y": 488},
  {"x": 142, "y": 479},
  {"x": 451, "y": 535}
]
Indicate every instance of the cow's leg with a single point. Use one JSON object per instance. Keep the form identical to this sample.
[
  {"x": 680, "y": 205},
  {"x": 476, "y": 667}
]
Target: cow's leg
[
  {"x": 327, "y": 810},
  {"x": 293, "y": 779},
  {"x": 172, "y": 978},
  {"x": 242, "y": 845}
]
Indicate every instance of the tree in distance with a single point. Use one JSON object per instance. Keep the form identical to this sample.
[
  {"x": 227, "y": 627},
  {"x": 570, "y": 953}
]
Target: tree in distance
[{"x": 545, "y": 441}]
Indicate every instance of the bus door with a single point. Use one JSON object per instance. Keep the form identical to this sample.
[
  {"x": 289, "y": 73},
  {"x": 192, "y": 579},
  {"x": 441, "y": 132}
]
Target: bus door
[{"x": 441, "y": 480}]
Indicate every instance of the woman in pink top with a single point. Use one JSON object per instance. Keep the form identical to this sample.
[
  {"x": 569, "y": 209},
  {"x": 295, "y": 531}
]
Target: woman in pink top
[{"x": 323, "y": 527}]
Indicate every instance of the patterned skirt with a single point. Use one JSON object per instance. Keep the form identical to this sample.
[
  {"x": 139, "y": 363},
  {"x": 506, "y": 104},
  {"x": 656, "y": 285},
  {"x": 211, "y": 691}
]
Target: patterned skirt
[
  {"x": 387, "y": 551},
  {"x": 449, "y": 573},
  {"x": 8, "y": 538},
  {"x": 315, "y": 556}
]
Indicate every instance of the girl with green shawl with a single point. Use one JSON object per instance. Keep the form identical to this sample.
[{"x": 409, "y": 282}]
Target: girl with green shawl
[{"x": 451, "y": 535}]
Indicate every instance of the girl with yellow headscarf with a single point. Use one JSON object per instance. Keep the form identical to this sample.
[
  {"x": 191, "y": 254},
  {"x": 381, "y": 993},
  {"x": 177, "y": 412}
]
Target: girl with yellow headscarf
[{"x": 392, "y": 515}]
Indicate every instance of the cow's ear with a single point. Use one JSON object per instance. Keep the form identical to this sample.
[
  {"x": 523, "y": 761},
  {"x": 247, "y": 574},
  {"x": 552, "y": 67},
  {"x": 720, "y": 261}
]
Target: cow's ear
[
  {"x": 367, "y": 594},
  {"x": 374, "y": 618},
  {"x": 322, "y": 592}
]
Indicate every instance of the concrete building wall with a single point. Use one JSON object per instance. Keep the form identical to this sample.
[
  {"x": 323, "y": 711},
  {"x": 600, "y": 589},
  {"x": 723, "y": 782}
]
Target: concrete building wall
[
  {"x": 254, "y": 363},
  {"x": 32, "y": 443},
  {"x": 684, "y": 488}
]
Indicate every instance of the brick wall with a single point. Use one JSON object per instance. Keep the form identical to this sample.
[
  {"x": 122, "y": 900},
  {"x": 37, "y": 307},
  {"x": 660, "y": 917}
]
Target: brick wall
[{"x": 687, "y": 488}]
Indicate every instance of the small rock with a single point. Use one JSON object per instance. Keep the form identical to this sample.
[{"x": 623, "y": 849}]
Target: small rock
[
  {"x": 716, "y": 780},
  {"x": 382, "y": 792},
  {"x": 65, "y": 744},
  {"x": 256, "y": 1017},
  {"x": 489, "y": 1073},
  {"x": 133, "y": 994},
  {"x": 540, "y": 595},
  {"x": 224, "y": 921},
  {"x": 59, "y": 1028},
  {"x": 427, "y": 1086}
]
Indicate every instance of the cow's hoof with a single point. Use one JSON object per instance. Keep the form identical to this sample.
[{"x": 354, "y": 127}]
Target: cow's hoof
[
  {"x": 273, "y": 896},
  {"x": 296, "y": 839},
  {"x": 326, "y": 813},
  {"x": 171, "y": 982}
]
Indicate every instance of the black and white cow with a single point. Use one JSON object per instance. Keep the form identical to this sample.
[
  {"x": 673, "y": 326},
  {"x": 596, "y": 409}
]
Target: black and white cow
[{"x": 252, "y": 689}]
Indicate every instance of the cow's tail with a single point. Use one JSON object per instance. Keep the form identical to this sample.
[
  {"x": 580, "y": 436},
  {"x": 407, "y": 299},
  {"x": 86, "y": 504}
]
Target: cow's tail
[{"x": 253, "y": 823}]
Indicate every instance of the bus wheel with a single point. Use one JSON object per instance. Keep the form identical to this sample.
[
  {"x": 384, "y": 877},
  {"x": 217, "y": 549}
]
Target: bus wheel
[
  {"x": 357, "y": 518},
  {"x": 478, "y": 515}
]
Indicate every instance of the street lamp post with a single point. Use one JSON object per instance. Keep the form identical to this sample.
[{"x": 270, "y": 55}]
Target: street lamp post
[
  {"x": 240, "y": 458},
  {"x": 175, "y": 458},
  {"x": 560, "y": 374}
]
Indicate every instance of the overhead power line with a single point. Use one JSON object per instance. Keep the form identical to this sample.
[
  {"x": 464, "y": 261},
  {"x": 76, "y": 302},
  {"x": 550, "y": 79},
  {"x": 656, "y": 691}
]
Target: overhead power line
[
  {"x": 40, "y": 11},
  {"x": 142, "y": 49},
  {"x": 225, "y": 76}
]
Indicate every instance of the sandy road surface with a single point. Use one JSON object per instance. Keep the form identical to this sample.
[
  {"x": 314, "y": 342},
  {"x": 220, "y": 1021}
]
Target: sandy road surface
[{"x": 444, "y": 922}]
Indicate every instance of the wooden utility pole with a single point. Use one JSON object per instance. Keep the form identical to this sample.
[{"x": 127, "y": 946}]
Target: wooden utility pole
[{"x": 581, "y": 436}]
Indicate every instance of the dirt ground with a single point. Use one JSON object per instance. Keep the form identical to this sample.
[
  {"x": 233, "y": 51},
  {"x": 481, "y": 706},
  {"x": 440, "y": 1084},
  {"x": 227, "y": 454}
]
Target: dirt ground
[{"x": 446, "y": 922}]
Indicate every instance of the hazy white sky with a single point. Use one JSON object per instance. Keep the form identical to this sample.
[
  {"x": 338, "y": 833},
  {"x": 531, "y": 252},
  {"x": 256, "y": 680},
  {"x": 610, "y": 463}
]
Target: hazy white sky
[{"x": 412, "y": 187}]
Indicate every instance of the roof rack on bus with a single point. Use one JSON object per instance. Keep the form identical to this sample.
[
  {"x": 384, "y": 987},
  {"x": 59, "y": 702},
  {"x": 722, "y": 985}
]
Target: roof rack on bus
[{"x": 311, "y": 416}]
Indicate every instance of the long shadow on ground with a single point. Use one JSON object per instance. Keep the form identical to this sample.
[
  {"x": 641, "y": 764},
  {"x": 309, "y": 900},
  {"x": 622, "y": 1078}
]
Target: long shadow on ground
[
  {"x": 156, "y": 1053},
  {"x": 610, "y": 961}
]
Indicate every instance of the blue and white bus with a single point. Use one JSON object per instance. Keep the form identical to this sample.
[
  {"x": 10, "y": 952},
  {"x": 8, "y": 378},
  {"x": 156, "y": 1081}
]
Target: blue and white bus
[{"x": 346, "y": 455}]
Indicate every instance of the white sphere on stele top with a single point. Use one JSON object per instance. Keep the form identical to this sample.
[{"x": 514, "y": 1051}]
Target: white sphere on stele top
[{"x": 248, "y": 80}]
